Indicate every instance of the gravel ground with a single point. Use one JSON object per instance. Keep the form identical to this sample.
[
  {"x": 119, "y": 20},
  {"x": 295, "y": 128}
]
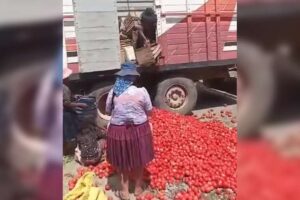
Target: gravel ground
[{"x": 208, "y": 103}]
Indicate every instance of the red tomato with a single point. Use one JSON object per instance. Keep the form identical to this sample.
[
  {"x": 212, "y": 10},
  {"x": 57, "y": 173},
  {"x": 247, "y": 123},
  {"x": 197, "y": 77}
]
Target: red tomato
[
  {"x": 202, "y": 154},
  {"x": 107, "y": 187}
]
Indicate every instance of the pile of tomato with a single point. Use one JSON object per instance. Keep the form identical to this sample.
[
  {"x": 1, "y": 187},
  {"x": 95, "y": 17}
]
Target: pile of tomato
[
  {"x": 102, "y": 170},
  {"x": 202, "y": 155}
]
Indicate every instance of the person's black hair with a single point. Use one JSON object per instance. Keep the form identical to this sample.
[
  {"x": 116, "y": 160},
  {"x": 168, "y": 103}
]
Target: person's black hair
[{"x": 149, "y": 11}]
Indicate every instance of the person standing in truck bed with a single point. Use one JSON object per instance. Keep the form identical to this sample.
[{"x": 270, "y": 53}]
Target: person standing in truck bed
[
  {"x": 132, "y": 30},
  {"x": 141, "y": 31},
  {"x": 149, "y": 23}
]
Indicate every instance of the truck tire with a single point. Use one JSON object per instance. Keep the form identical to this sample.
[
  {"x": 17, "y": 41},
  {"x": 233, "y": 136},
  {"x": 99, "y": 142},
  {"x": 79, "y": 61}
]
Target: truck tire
[
  {"x": 101, "y": 96},
  {"x": 177, "y": 95}
]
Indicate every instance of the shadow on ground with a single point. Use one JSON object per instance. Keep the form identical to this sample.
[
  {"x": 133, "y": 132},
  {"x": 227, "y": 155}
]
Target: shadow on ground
[{"x": 208, "y": 99}]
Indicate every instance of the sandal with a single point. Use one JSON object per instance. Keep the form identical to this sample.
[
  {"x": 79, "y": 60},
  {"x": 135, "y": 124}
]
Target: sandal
[{"x": 120, "y": 195}]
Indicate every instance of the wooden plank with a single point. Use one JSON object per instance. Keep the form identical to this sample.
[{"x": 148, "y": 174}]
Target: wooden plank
[
  {"x": 177, "y": 36},
  {"x": 178, "y": 41},
  {"x": 177, "y": 59},
  {"x": 100, "y": 66},
  {"x": 174, "y": 47},
  {"x": 96, "y": 19},
  {"x": 95, "y": 5},
  {"x": 134, "y": 5},
  {"x": 100, "y": 33},
  {"x": 173, "y": 2},
  {"x": 97, "y": 35},
  {"x": 67, "y": 2},
  {"x": 72, "y": 47},
  {"x": 199, "y": 57},
  {"x": 99, "y": 55},
  {"x": 68, "y": 9},
  {"x": 178, "y": 52},
  {"x": 98, "y": 44},
  {"x": 136, "y": 1}
]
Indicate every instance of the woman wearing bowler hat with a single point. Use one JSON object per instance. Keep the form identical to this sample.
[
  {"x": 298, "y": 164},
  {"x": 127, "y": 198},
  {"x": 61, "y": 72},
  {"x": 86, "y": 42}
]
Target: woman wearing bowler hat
[{"x": 129, "y": 138}]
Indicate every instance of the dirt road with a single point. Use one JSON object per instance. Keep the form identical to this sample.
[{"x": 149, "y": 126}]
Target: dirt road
[{"x": 208, "y": 102}]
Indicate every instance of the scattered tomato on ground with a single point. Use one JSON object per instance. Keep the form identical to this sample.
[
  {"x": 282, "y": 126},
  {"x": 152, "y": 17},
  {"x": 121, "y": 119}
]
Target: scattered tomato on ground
[{"x": 201, "y": 155}]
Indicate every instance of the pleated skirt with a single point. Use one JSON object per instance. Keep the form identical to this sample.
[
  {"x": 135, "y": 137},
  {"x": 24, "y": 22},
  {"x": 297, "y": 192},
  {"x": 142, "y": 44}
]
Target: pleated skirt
[{"x": 129, "y": 146}]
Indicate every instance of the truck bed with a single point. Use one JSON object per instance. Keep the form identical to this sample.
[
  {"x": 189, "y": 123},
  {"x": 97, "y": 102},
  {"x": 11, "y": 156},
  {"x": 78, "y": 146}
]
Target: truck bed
[
  {"x": 197, "y": 31},
  {"x": 190, "y": 32}
]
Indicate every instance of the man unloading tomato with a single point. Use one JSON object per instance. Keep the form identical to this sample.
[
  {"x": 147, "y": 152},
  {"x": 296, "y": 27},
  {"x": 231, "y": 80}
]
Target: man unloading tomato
[
  {"x": 149, "y": 23},
  {"x": 129, "y": 138}
]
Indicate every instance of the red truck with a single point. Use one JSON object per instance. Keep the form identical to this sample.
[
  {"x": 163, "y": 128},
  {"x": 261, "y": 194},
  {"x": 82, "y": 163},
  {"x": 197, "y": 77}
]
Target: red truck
[{"x": 198, "y": 41}]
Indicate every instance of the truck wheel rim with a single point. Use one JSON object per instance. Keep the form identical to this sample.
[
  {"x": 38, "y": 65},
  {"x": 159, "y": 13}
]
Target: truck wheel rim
[
  {"x": 101, "y": 107},
  {"x": 176, "y": 97}
]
